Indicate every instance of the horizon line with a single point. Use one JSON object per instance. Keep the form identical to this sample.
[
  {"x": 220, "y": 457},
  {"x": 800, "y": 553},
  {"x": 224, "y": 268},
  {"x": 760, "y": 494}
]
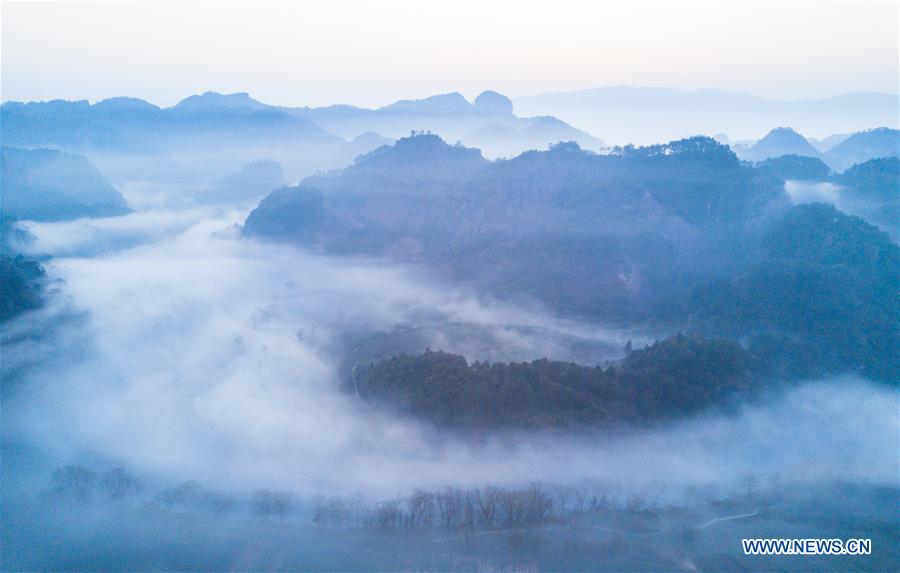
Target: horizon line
[{"x": 4, "y": 101}]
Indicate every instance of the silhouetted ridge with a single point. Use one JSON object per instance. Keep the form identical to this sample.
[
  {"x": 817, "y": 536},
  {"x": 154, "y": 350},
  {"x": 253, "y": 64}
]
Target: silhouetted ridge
[
  {"x": 780, "y": 141},
  {"x": 494, "y": 103},
  {"x": 677, "y": 377},
  {"x": 796, "y": 167},
  {"x": 698, "y": 147},
  {"x": 419, "y": 147},
  {"x": 441, "y": 104},
  {"x": 217, "y": 101},
  {"x": 863, "y": 146},
  {"x": 875, "y": 179}
]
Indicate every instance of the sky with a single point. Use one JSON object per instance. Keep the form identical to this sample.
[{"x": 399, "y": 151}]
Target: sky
[{"x": 373, "y": 52}]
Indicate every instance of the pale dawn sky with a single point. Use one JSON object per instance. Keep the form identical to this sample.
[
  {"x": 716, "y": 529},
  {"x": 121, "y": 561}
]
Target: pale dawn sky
[{"x": 372, "y": 52}]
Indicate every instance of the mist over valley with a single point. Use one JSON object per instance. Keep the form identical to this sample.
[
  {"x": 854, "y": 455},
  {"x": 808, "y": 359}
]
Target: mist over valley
[{"x": 613, "y": 329}]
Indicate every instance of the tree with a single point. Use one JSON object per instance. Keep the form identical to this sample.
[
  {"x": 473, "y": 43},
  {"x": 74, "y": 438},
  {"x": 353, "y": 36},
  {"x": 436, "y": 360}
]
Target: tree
[{"x": 266, "y": 503}]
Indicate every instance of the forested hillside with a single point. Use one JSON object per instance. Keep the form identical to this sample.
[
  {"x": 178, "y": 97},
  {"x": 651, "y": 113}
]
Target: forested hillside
[
  {"x": 586, "y": 234},
  {"x": 20, "y": 286},
  {"x": 819, "y": 295},
  {"x": 49, "y": 185},
  {"x": 677, "y": 377}
]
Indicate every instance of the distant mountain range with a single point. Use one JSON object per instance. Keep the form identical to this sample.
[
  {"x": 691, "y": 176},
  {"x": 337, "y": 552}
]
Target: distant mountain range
[
  {"x": 640, "y": 115},
  {"x": 848, "y": 150},
  {"x": 209, "y": 135},
  {"x": 870, "y": 190},
  {"x": 487, "y": 123}
]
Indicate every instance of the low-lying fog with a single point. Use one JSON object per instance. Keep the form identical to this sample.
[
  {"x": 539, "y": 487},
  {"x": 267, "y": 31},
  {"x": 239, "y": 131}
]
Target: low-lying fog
[
  {"x": 882, "y": 215},
  {"x": 180, "y": 351}
]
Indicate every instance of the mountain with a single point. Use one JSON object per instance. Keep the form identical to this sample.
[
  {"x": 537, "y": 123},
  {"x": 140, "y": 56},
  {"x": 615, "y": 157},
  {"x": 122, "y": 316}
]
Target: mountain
[
  {"x": 207, "y": 135},
  {"x": 499, "y": 139},
  {"x": 796, "y": 168},
  {"x": 871, "y": 190},
  {"x": 247, "y": 185},
  {"x": 49, "y": 185},
  {"x": 874, "y": 179},
  {"x": 652, "y": 114},
  {"x": 226, "y": 103},
  {"x": 780, "y": 141},
  {"x": 847, "y": 151},
  {"x": 613, "y": 233},
  {"x": 829, "y": 141},
  {"x": 364, "y": 143},
  {"x": 862, "y": 146},
  {"x": 372, "y": 203},
  {"x": 487, "y": 123},
  {"x": 494, "y": 104},
  {"x": 204, "y": 137},
  {"x": 819, "y": 295},
  {"x": 450, "y": 104}
]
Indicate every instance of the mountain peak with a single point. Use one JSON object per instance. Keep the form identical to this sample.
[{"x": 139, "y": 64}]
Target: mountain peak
[
  {"x": 786, "y": 133},
  {"x": 124, "y": 104},
  {"x": 494, "y": 103},
  {"x": 781, "y": 141},
  {"x": 420, "y": 146},
  {"x": 217, "y": 100},
  {"x": 441, "y": 104}
]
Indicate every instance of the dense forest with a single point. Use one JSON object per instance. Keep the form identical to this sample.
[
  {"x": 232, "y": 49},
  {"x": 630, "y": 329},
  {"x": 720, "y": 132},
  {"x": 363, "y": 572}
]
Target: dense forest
[
  {"x": 875, "y": 179},
  {"x": 21, "y": 285},
  {"x": 796, "y": 167},
  {"x": 673, "y": 378},
  {"x": 685, "y": 233},
  {"x": 613, "y": 233},
  {"x": 818, "y": 296}
]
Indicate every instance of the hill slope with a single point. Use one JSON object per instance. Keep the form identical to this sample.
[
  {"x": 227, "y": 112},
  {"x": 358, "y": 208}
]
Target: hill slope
[
  {"x": 48, "y": 185},
  {"x": 611, "y": 233}
]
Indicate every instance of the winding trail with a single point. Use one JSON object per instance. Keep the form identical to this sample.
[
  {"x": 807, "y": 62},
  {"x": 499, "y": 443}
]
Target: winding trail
[{"x": 733, "y": 517}]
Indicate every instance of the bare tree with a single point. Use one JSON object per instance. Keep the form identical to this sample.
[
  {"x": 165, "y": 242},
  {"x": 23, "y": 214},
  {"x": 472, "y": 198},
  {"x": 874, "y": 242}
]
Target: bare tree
[
  {"x": 538, "y": 503},
  {"x": 271, "y": 503},
  {"x": 470, "y": 511},
  {"x": 421, "y": 508},
  {"x": 488, "y": 500},
  {"x": 334, "y": 511},
  {"x": 749, "y": 483},
  {"x": 388, "y": 514},
  {"x": 512, "y": 507},
  {"x": 450, "y": 504}
]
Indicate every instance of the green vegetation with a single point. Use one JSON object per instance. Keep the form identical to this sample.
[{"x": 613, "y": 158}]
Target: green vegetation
[
  {"x": 677, "y": 377},
  {"x": 796, "y": 167},
  {"x": 20, "y": 286},
  {"x": 863, "y": 146},
  {"x": 584, "y": 234},
  {"x": 877, "y": 179},
  {"x": 820, "y": 296}
]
